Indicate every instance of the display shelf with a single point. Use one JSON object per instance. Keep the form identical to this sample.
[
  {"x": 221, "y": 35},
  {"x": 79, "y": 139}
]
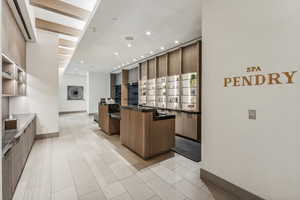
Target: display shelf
[
  {"x": 161, "y": 92},
  {"x": 13, "y": 78},
  {"x": 189, "y": 91},
  {"x": 173, "y": 92},
  {"x": 143, "y": 92},
  {"x": 151, "y": 92},
  {"x": 6, "y": 75}
]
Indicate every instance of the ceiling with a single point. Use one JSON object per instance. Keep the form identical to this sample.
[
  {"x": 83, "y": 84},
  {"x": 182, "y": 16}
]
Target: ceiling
[
  {"x": 103, "y": 47},
  {"x": 56, "y": 17}
]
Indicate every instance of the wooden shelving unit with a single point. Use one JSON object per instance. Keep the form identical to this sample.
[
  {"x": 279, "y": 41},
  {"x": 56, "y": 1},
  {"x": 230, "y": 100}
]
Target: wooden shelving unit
[
  {"x": 180, "y": 71},
  {"x": 13, "y": 78}
]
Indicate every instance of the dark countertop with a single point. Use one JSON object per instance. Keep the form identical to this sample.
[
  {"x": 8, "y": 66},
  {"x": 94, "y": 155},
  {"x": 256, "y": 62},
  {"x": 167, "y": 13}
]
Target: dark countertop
[
  {"x": 161, "y": 116},
  {"x": 176, "y": 110},
  {"x": 156, "y": 115},
  {"x": 139, "y": 108},
  {"x": 9, "y": 136}
]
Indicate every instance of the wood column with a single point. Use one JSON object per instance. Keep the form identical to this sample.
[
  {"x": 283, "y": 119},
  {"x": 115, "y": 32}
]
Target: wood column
[{"x": 124, "y": 88}]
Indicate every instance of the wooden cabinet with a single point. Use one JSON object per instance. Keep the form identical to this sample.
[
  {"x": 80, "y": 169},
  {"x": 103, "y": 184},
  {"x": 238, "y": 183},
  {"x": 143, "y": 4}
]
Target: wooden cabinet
[
  {"x": 188, "y": 125},
  {"x": 144, "y": 135},
  {"x": 7, "y": 188},
  {"x": 14, "y": 161}
]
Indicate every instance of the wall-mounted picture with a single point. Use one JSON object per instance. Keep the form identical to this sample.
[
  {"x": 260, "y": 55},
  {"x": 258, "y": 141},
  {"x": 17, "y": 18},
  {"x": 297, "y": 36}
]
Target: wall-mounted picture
[{"x": 75, "y": 93}]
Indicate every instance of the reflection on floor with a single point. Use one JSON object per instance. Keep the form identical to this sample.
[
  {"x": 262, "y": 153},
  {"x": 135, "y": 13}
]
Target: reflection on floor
[{"x": 85, "y": 164}]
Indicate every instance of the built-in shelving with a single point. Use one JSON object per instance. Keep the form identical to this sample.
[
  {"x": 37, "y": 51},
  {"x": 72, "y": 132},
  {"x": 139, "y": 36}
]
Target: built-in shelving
[
  {"x": 172, "y": 82},
  {"x": 13, "y": 78}
]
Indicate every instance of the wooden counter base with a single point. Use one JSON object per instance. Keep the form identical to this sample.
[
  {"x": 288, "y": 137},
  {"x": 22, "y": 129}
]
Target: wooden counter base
[
  {"x": 145, "y": 136},
  {"x": 108, "y": 125}
]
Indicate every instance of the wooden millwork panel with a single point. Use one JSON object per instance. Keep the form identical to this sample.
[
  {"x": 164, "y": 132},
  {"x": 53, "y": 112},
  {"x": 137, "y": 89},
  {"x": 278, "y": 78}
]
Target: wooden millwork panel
[
  {"x": 13, "y": 42},
  {"x": 7, "y": 189},
  {"x": 174, "y": 62},
  {"x": 124, "y": 126},
  {"x": 103, "y": 118},
  {"x": 57, "y": 28},
  {"x": 162, "y": 67},
  {"x": 145, "y": 136},
  {"x": 15, "y": 159},
  {"x": 124, "y": 88},
  {"x": 190, "y": 125},
  {"x": 8, "y": 87},
  {"x": 161, "y": 141},
  {"x": 179, "y": 123},
  {"x": 152, "y": 68},
  {"x": 190, "y": 58},
  {"x": 112, "y": 86},
  {"x": 144, "y": 71},
  {"x": 62, "y": 8}
]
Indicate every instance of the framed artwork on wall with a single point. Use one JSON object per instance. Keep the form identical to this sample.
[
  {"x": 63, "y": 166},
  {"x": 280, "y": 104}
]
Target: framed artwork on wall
[{"x": 75, "y": 93}]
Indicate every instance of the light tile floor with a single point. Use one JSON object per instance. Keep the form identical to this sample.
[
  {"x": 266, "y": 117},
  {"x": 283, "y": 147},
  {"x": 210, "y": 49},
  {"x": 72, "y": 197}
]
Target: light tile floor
[{"x": 85, "y": 164}]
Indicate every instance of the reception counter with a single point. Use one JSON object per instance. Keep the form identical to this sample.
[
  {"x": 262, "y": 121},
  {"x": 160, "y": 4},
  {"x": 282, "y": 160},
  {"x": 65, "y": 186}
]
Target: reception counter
[
  {"x": 147, "y": 132},
  {"x": 109, "y": 118}
]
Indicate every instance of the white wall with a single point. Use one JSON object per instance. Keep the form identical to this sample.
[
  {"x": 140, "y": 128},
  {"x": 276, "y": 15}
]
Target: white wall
[
  {"x": 66, "y": 80},
  {"x": 261, "y": 156},
  {"x": 98, "y": 87},
  {"x": 42, "y": 84}
]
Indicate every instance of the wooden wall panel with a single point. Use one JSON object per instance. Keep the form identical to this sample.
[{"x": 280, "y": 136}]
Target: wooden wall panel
[
  {"x": 66, "y": 43},
  {"x": 162, "y": 67},
  {"x": 13, "y": 42},
  {"x": 64, "y": 51},
  {"x": 62, "y": 8},
  {"x": 144, "y": 71},
  {"x": 152, "y": 68},
  {"x": 112, "y": 86},
  {"x": 57, "y": 28},
  {"x": 174, "y": 62},
  {"x": 124, "y": 88},
  {"x": 190, "y": 58}
]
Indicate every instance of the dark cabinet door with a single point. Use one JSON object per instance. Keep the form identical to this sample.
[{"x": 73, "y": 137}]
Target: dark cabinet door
[{"x": 7, "y": 187}]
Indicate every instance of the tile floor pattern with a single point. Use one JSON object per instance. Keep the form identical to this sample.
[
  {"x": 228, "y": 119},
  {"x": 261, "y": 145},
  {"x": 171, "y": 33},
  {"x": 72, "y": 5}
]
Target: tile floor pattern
[{"x": 83, "y": 165}]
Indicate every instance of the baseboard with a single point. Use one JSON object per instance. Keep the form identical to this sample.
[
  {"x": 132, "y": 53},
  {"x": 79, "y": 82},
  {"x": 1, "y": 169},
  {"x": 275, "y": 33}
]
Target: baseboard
[
  {"x": 46, "y": 136},
  {"x": 228, "y": 187},
  {"x": 71, "y": 112}
]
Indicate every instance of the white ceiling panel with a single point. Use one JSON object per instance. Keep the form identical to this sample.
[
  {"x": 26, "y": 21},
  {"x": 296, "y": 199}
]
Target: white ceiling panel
[{"x": 167, "y": 20}]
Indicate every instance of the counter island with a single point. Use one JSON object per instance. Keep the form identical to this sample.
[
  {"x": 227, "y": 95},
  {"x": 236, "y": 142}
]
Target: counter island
[{"x": 147, "y": 132}]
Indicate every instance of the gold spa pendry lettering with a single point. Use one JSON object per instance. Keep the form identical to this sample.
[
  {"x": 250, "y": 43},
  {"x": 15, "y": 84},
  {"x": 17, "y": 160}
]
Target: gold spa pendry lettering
[{"x": 258, "y": 78}]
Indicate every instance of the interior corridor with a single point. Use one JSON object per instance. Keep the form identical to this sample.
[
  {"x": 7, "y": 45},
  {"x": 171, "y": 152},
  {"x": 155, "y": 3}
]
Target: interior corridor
[{"x": 83, "y": 163}]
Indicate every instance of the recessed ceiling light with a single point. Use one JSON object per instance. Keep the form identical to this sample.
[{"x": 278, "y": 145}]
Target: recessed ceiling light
[
  {"x": 162, "y": 48},
  {"x": 176, "y": 42},
  {"x": 148, "y": 33},
  {"x": 151, "y": 52},
  {"x": 134, "y": 60},
  {"x": 116, "y": 53},
  {"x": 123, "y": 64},
  {"x": 81, "y": 61},
  {"x": 119, "y": 66},
  {"x": 129, "y": 45},
  {"x": 142, "y": 56}
]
